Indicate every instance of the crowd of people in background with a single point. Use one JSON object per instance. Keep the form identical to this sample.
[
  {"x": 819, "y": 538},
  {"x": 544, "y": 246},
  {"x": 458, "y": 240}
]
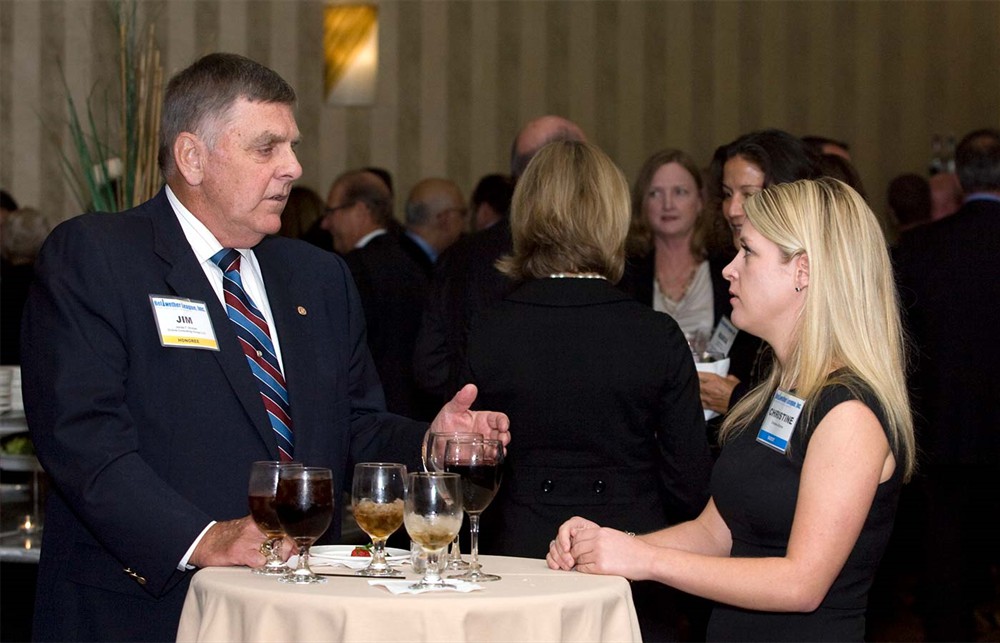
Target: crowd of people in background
[{"x": 574, "y": 303}]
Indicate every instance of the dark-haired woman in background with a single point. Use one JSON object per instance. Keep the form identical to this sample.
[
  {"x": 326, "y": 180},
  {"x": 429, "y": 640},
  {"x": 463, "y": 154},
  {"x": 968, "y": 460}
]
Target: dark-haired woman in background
[{"x": 741, "y": 169}]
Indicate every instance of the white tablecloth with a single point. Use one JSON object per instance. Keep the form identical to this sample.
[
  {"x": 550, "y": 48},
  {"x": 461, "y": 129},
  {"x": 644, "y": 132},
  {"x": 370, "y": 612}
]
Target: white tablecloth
[{"x": 530, "y": 603}]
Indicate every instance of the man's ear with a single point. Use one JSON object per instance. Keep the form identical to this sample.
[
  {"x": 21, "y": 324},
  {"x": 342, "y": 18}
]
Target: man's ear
[{"x": 190, "y": 155}]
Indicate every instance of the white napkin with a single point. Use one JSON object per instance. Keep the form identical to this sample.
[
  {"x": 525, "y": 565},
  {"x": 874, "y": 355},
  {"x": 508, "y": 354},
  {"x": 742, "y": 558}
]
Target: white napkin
[
  {"x": 403, "y": 586},
  {"x": 719, "y": 367}
]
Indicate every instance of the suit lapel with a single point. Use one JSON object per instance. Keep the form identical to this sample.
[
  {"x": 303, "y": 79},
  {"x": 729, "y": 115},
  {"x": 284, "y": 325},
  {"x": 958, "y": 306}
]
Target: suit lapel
[
  {"x": 290, "y": 303},
  {"x": 187, "y": 279}
]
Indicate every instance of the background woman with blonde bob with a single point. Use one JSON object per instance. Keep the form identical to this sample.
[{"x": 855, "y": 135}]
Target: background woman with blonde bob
[
  {"x": 790, "y": 541},
  {"x": 602, "y": 389}
]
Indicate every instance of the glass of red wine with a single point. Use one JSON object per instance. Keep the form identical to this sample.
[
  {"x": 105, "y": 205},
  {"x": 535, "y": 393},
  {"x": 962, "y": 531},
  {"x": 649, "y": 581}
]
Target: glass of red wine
[
  {"x": 434, "y": 461},
  {"x": 480, "y": 464},
  {"x": 304, "y": 504},
  {"x": 377, "y": 492},
  {"x": 262, "y": 491}
]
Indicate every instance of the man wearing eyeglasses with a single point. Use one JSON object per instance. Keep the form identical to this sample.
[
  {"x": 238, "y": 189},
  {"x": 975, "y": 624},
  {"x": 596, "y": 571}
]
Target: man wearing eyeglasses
[{"x": 392, "y": 284}]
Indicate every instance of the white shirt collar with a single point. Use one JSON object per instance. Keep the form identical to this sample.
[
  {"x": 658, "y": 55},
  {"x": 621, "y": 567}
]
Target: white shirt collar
[
  {"x": 363, "y": 241},
  {"x": 202, "y": 241}
]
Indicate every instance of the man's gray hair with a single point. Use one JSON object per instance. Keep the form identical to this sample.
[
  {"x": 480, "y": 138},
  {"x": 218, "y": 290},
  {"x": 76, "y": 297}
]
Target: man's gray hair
[{"x": 198, "y": 98}]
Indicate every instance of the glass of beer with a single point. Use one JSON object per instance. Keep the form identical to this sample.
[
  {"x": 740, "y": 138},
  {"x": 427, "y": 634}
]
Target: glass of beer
[
  {"x": 377, "y": 493},
  {"x": 433, "y": 515}
]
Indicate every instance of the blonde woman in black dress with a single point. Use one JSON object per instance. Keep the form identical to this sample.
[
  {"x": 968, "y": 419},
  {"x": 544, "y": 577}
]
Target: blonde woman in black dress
[{"x": 805, "y": 490}]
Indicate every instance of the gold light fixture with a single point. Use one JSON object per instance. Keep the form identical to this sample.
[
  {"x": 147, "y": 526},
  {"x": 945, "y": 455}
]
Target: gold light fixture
[{"x": 350, "y": 47}]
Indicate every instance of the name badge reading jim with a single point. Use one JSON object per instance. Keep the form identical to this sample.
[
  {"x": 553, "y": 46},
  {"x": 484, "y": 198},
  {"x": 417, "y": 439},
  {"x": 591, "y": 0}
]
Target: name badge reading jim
[
  {"x": 183, "y": 323},
  {"x": 780, "y": 421}
]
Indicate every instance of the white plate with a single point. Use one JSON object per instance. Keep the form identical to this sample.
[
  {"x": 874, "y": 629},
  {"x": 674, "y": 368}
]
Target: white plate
[{"x": 342, "y": 553}]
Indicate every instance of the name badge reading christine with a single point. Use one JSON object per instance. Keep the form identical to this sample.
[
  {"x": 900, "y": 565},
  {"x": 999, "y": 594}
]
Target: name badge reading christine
[
  {"x": 183, "y": 323},
  {"x": 780, "y": 421}
]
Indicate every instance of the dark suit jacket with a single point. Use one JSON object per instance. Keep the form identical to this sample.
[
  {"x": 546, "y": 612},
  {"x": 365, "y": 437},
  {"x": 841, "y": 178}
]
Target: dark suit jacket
[
  {"x": 416, "y": 254},
  {"x": 393, "y": 288},
  {"x": 949, "y": 278},
  {"x": 603, "y": 395},
  {"x": 146, "y": 444},
  {"x": 746, "y": 361},
  {"x": 465, "y": 283}
]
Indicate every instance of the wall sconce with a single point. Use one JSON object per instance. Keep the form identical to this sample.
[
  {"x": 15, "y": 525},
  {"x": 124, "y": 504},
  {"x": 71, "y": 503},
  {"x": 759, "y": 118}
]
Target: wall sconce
[{"x": 350, "y": 49}]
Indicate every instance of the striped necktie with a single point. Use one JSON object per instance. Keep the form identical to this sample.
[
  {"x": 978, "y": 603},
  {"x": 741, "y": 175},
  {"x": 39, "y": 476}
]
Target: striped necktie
[{"x": 255, "y": 339}]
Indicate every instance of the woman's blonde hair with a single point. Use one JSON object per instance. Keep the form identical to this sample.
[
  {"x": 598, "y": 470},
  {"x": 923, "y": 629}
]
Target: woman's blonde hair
[
  {"x": 570, "y": 213},
  {"x": 850, "y": 321}
]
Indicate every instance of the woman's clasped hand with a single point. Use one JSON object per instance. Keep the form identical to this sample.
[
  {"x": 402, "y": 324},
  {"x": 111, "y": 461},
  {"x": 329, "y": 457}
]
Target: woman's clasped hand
[{"x": 584, "y": 545}]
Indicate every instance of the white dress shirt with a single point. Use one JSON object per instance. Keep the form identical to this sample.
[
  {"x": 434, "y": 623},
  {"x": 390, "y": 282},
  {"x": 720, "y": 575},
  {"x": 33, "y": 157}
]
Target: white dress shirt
[{"x": 205, "y": 245}]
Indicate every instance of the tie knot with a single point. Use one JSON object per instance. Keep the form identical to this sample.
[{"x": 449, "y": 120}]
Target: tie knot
[{"x": 228, "y": 259}]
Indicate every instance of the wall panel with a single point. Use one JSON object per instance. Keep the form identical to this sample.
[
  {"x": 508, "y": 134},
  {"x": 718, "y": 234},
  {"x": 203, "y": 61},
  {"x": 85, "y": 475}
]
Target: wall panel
[{"x": 457, "y": 78}]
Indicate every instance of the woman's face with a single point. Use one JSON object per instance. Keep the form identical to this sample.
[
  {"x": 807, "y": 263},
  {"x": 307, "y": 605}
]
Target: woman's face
[
  {"x": 673, "y": 202},
  {"x": 762, "y": 287},
  {"x": 740, "y": 179}
]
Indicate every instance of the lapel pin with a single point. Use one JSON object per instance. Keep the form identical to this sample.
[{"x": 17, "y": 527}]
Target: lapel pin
[{"x": 302, "y": 310}]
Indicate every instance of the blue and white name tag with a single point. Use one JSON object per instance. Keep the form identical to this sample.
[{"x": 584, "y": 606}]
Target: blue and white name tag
[
  {"x": 183, "y": 323},
  {"x": 722, "y": 337},
  {"x": 780, "y": 421}
]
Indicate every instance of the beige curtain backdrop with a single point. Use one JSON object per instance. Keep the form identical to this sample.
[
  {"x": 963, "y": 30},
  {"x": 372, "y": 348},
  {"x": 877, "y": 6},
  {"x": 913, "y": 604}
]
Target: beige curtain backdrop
[{"x": 458, "y": 77}]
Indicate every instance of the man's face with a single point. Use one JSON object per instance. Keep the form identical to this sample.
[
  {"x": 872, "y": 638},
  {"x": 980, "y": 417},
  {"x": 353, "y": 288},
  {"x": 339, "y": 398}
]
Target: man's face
[
  {"x": 341, "y": 220},
  {"x": 248, "y": 173},
  {"x": 453, "y": 215}
]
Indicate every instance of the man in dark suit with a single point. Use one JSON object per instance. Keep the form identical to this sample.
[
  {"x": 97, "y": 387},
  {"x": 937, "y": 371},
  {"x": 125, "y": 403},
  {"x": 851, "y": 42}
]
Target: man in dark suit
[
  {"x": 140, "y": 400},
  {"x": 466, "y": 282},
  {"x": 391, "y": 283},
  {"x": 949, "y": 286}
]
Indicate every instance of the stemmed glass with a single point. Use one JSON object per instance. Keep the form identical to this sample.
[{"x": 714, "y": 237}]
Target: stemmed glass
[
  {"x": 377, "y": 501},
  {"x": 261, "y": 494},
  {"x": 480, "y": 463},
  {"x": 434, "y": 461},
  {"x": 433, "y": 515},
  {"x": 304, "y": 503}
]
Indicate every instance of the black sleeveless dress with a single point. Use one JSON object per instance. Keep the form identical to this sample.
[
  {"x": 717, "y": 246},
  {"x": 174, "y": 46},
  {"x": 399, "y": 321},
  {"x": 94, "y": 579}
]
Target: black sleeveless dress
[{"x": 755, "y": 490}]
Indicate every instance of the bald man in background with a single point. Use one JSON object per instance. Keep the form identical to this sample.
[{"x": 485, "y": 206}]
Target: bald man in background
[{"x": 436, "y": 217}]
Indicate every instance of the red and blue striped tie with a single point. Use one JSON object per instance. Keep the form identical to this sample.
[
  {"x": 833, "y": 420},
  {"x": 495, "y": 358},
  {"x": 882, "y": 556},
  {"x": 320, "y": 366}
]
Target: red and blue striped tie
[{"x": 255, "y": 339}]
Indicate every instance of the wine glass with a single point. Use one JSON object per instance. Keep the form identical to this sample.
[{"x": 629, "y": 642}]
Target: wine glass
[
  {"x": 304, "y": 504},
  {"x": 433, "y": 515},
  {"x": 434, "y": 461},
  {"x": 377, "y": 501},
  {"x": 261, "y": 494},
  {"x": 480, "y": 463}
]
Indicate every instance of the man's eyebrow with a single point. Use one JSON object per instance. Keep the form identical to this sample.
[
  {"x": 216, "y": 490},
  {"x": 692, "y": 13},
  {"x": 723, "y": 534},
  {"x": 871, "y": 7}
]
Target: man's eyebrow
[{"x": 268, "y": 138}]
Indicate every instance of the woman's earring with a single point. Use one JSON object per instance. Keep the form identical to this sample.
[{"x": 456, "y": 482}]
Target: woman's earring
[{"x": 797, "y": 289}]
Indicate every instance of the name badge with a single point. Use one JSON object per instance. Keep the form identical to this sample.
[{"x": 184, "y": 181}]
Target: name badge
[
  {"x": 780, "y": 421},
  {"x": 183, "y": 323},
  {"x": 723, "y": 337}
]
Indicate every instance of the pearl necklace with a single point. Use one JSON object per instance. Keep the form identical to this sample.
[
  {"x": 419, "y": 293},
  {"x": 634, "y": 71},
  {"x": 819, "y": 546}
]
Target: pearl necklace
[{"x": 576, "y": 275}]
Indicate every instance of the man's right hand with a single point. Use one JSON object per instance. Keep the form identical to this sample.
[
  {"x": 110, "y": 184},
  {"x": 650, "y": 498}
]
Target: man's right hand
[{"x": 233, "y": 542}]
